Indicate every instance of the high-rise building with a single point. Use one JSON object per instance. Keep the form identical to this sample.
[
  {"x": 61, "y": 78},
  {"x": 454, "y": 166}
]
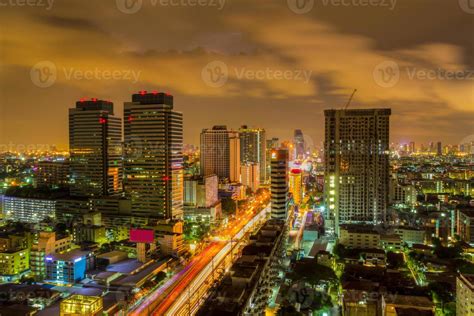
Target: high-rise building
[
  {"x": 357, "y": 165},
  {"x": 153, "y": 156},
  {"x": 95, "y": 145},
  {"x": 439, "y": 149},
  {"x": 220, "y": 153},
  {"x": 298, "y": 139},
  {"x": 271, "y": 144},
  {"x": 296, "y": 185},
  {"x": 253, "y": 146},
  {"x": 251, "y": 175},
  {"x": 412, "y": 147},
  {"x": 279, "y": 184}
]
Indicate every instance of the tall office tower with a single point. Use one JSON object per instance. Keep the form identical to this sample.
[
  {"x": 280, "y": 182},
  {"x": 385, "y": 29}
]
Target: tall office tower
[
  {"x": 153, "y": 156},
  {"x": 220, "y": 153},
  {"x": 412, "y": 147},
  {"x": 439, "y": 149},
  {"x": 279, "y": 183},
  {"x": 356, "y": 165},
  {"x": 298, "y": 139},
  {"x": 253, "y": 146},
  {"x": 95, "y": 146}
]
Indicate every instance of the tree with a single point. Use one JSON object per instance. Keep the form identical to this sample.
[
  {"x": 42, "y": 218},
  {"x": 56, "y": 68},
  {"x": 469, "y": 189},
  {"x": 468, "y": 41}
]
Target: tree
[
  {"x": 312, "y": 272},
  {"x": 441, "y": 292}
]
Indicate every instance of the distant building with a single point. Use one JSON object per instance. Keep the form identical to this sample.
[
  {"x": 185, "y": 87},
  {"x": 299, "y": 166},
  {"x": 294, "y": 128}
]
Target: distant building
[
  {"x": 28, "y": 210},
  {"x": 356, "y": 160},
  {"x": 300, "y": 146},
  {"x": 220, "y": 153},
  {"x": 253, "y": 145},
  {"x": 201, "y": 191},
  {"x": 465, "y": 295},
  {"x": 465, "y": 224},
  {"x": 95, "y": 146},
  {"x": 251, "y": 175},
  {"x": 52, "y": 174},
  {"x": 279, "y": 184},
  {"x": 296, "y": 185}
]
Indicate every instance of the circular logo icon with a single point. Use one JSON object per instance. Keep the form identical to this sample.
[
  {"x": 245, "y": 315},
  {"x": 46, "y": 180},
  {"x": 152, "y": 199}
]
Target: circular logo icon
[
  {"x": 387, "y": 74},
  {"x": 43, "y": 74},
  {"x": 300, "y": 6},
  {"x": 215, "y": 74},
  {"x": 467, "y": 6},
  {"x": 129, "y": 6}
]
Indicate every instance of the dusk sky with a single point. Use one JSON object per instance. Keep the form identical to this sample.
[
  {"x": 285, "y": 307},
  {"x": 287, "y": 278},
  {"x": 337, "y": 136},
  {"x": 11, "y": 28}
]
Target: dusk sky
[{"x": 275, "y": 64}]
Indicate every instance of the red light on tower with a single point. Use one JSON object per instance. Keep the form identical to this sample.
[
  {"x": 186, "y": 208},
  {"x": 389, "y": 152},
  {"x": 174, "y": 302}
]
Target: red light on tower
[
  {"x": 166, "y": 178},
  {"x": 130, "y": 118},
  {"x": 168, "y": 94},
  {"x": 82, "y": 99},
  {"x": 102, "y": 120},
  {"x": 142, "y": 92},
  {"x": 94, "y": 99},
  {"x": 155, "y": 92}
]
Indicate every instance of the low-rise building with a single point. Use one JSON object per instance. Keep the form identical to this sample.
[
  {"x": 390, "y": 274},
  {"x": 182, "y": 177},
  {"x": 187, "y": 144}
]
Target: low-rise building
[
  {"x": 81, "y": 305},
  {"x": 69, "y": 267},
  {"x": 359, "y": 236},
  {"x": 465, "y": 295}
]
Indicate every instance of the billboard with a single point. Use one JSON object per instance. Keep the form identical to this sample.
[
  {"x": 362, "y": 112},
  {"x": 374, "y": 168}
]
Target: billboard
[{"x": 142, "y": 235}]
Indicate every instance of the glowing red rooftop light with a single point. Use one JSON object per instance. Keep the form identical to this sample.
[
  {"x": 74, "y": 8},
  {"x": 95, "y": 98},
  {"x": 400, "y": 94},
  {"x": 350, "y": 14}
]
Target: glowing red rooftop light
[
  {"x": 94, "y": 99},
  {"x": 166, "y": 178},
  {"x": 82, "y": 99},
  {"x": 155, "y": 92},
  {"x": 142, "y": 92}
]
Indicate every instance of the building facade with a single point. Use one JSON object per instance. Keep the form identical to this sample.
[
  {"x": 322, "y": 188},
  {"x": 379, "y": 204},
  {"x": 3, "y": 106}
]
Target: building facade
[
  {"x": 220, "y": 153},
  {"x": 253, "y": 146},
  {"x": 357, "y": 166},
  {"x": 279, "y": 184},
  {"x": 95, "y": 145},
  {"x": 153, "y": 155}
]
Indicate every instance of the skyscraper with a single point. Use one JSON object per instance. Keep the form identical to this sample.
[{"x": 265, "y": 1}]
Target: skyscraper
[
  {"x": 357, "y": 165},
  {"x": 95, "y": 145},
  {"x": 298, "y": 139},
  {"x": 153, "y": 156},
  {"x": 296, "y": 185},
  {"x": 220, "y": 153},
  {"x": 279, "y": 183},
  {"x": 253, "y": 148}
]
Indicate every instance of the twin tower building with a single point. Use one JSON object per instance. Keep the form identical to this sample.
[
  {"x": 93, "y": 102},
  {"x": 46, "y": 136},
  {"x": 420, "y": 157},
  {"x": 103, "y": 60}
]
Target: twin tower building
[{"x": 147, "y": 166}]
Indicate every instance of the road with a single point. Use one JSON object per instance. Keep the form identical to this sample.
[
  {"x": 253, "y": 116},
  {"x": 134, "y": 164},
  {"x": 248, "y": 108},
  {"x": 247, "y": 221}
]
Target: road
[{"x": 169, "y": 298}]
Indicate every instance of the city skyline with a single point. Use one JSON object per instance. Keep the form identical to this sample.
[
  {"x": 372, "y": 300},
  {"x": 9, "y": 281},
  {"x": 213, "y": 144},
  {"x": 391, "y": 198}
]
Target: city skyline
[{"x": 85, "y": 51}]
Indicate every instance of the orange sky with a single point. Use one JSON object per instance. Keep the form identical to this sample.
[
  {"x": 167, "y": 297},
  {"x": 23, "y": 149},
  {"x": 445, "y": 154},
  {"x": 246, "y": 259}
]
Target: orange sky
[{"x": 269, "y": 63}]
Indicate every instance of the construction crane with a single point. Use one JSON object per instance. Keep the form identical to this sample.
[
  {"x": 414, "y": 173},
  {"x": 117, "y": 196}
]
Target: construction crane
[{"x": 350, "y": 99}]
